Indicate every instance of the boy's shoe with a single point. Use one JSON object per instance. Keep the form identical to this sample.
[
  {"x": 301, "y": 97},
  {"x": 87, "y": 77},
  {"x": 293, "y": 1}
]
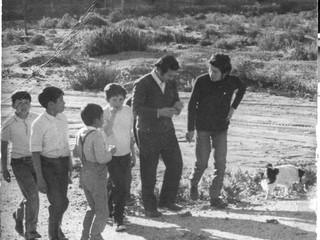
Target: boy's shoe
[
  {"x": 121, "y": 228},
  {"x": 96, "y": 237},
  {"x": 19, "y": 224},
  {"x": 194, "y": 194},
  {"x": 32, "y": 235},
  {"x": 153, "y": 214},
  {"x": 218, "y": 203},
  {"x": 171, "y": 206}
]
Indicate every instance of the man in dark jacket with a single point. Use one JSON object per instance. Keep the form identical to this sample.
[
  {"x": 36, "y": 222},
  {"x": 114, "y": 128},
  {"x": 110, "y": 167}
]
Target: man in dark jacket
[
  {"x": 155, "y": 101},
  {"x": 209, "y": 112}
]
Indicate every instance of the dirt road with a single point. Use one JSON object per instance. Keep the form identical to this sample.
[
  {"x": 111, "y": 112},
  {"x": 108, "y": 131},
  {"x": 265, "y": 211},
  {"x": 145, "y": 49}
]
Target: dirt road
[{"x": 265, "y": 128}]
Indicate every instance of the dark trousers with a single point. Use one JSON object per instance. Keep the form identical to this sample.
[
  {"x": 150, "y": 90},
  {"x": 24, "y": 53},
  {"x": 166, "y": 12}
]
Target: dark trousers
[
  {"x": 118, "y": 168},
  {"x": 151, "y": 146},
  {"x": 27, "y": 181},
  {"x": 55, "y": 173}
]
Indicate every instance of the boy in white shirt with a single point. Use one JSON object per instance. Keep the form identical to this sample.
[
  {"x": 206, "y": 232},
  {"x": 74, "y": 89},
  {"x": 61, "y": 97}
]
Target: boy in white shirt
[
  {"x": 118, "y": 123},
  {"x": 90, "y": 147},
  {"x": 50, "y": 152},
  {"x": 16, "y": 130}
]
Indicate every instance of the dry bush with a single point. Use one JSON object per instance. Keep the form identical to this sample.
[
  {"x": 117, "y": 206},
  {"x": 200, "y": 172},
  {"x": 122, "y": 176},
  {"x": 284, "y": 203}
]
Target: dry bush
[
  {"x": 67, "y": 21},
  {"x": 12, "y": 37},
  {"x": 92, "y": 77},
  {"x": 47, "y": 22},
  {"x": 38, "y": 39},
  {"x": 113, "y": 40}
]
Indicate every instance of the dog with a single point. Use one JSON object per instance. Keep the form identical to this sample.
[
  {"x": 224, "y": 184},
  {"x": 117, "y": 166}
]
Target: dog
[{"x": 284, "y": 175}]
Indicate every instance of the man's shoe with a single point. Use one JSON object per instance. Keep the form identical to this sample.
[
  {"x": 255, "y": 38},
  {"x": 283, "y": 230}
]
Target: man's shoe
[
  {"x": 19, "y": 224},
  {"x": 121, "y": 228},
  {"x": 194, "y": 194},
  {"x": 218, "y": 203},
  {"x": 153, "y": 214},
  {"x": 171, "y": 206},
  {"x": 32, "y": 235}
]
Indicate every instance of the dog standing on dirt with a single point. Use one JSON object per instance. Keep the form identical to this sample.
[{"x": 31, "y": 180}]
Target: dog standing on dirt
[{"x": 284, "y": 175}]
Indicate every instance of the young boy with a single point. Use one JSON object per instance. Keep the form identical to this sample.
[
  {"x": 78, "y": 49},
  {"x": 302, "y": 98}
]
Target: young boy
[
  {"x": 50, "y": 152},
  {"x": 90, "y": 147},
  {"x": 117, "y": 126},
  {"x": 16, "y": 130}
]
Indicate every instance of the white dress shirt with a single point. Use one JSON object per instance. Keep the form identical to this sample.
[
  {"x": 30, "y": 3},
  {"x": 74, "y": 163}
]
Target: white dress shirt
[
  {"x": 49, "y": 135},
  {"x": 17, "y": 131},
  {"x": 161, "y": 84}
]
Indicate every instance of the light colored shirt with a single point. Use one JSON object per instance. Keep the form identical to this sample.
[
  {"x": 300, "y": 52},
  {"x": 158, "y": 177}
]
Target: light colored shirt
[
  {"x": 17, "y": 131},
  {"x": 49, "y": 135},
  {"x": 161, "y": 84},
  {"x": 94, "y": 146},
  {"x": 122, "y": 129}
]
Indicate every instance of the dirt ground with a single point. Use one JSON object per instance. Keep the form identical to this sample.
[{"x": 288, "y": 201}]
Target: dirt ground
[{"x": 265, "y": 129}]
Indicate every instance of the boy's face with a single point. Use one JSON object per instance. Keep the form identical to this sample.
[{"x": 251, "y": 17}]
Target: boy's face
[
  {"x": 22, "y": 106},
  {"x": 59, "y": 105},
  {"x": 168, "y": 76},
  {"x": 116, "y": 101},
  {"x": 215, "y": 73},
  {"x": 99, "y": 122}
]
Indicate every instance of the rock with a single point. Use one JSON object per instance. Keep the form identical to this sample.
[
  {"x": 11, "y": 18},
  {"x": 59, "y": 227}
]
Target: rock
[
  {"x": 185, "y": 214},
  {"x": 24, "y": 49}
]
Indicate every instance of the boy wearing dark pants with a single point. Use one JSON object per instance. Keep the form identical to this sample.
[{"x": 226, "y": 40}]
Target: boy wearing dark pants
[
  {"x": 118, "y": 122},
  {"x": 50, "y": 151},
  {"x": 16, "y": 130},
  {"x": 90, "y": 147}
]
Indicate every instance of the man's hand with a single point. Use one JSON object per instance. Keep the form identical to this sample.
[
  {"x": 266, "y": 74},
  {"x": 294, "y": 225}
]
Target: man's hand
[
  {"x": 230, "y": 114},
  {"x": 167, "y": 112},
  {"x": 112, "y": 149},
  {"x": 42, "y": 186},
  {"x": 6, "y": 175},
  {"x": 189, "y": 136}
]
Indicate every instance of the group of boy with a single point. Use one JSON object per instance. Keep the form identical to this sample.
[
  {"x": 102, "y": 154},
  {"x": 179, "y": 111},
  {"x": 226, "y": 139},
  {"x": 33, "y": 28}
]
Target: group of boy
[{"x": 41, "y": 159}]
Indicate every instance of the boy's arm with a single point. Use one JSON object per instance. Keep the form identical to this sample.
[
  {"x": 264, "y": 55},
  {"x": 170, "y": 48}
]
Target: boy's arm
[
  {"x": 42, "y": 186},
  {"x": 4, "y": 161},
  {"x": 107, "y": 128},
  {"x": 133, "y": 153}
]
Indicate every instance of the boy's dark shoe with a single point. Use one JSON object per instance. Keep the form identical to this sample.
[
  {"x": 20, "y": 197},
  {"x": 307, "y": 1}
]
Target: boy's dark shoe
[
  {"x": 19, "y": 224},
  {"x": 194, "y": 194},
  {"x": 171, "y": 206},
  {"x": 218, "y": 203},
  {"x": 153, "y": 214},
  {"x": 32, "y": 235}
]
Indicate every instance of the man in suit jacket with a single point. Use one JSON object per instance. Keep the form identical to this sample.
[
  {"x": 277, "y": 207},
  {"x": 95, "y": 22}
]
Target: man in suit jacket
[{"x": 155, "y": 101}]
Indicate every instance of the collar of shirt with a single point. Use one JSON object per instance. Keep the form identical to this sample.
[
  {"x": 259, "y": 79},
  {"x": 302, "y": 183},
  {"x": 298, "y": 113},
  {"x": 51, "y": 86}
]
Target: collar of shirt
[
  {"x": 90, "y": 128},
  {"x": 50, "y": 117},
  {"x": 19, "y": 119},
  {"x": 161, "y": 84}
]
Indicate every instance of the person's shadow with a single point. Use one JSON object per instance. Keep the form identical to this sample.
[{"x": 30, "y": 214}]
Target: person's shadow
[{"x": 230, "y": 224}]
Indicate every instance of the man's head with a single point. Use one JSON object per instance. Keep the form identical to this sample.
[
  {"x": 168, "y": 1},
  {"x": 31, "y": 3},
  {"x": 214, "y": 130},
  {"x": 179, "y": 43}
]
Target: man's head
[
  {"x": 115, "y": 95},
  {"x": 21, "y": 103},
  {"x": 92, "y": 115},
  {"x": 167, "y": 68},
  {"x": 51, "y": 98},
  {"x": 219, "y": 66}
]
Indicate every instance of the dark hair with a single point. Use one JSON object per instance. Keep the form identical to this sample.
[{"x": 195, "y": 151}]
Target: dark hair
[
  {"x": 20, "y": 95},
  {"x": 49, "y": 94},
  {"x": 114, "y": 89},
  {"x": 167, "y": 62},
  {"x": 91, "y": 112},
  {"x": 222, "y": 62}
]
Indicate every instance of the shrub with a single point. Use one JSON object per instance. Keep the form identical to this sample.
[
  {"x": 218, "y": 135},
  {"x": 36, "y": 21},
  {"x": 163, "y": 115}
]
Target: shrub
[
  {"x": 12, "y": 37},
  {"x": 98, "y": 21},
  {"x": 113, "y": 40},
  {"x": 163, "y": 37},
  {"x": 48, "y": 22},
  {"x": 38, "y": 40},
  {"x": 67, "y": 21},
  {"x": 285, "y": 21},
  {"x": 205, "y": 42},
  {"x": 180, "y": 37},
  {"x": 116, "y": 16},
  {"x": 92, "y": 77},
  {"x": 233, "y": 43}
]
